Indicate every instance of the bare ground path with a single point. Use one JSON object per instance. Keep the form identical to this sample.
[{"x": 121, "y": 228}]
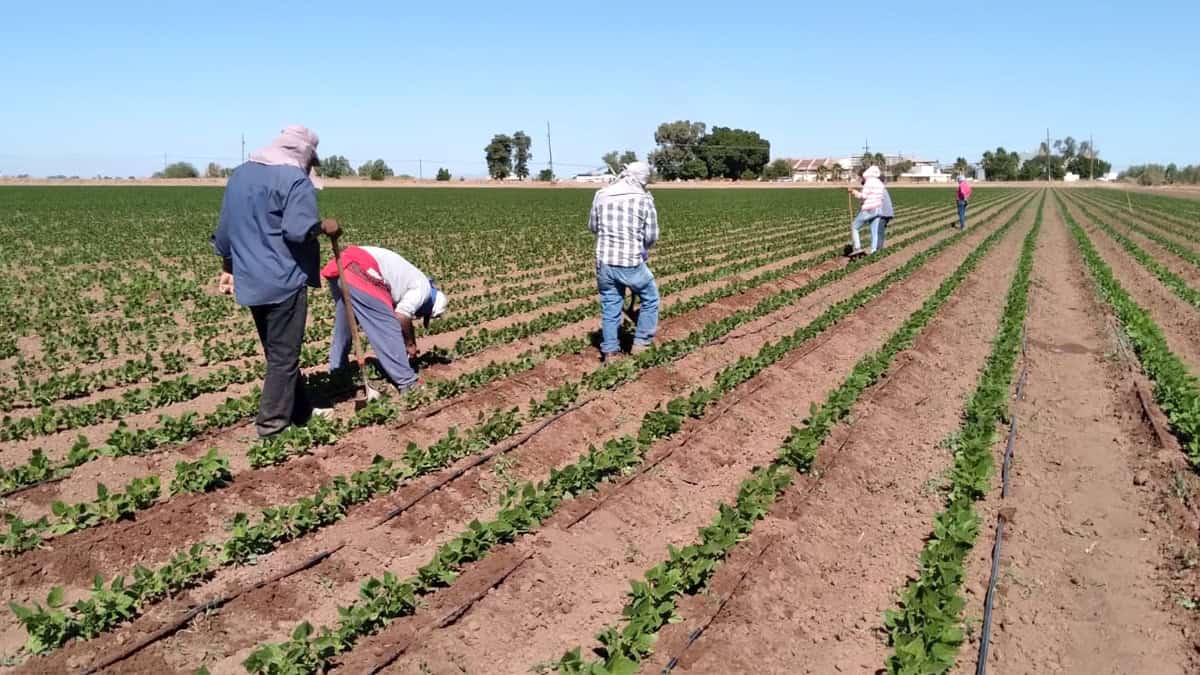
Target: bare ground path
[{"x": 1081, "y": 586}]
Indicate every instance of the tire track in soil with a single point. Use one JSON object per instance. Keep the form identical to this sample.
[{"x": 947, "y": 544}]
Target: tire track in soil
[
  {"x": 1081, "y": 587},
  {"x": 408, "y": 541},
  {"x": 844, "y": 538},
  {"x": 575, "y": 583},
  {"x": 275, "y": 485},
  {"x": 1180, "y": 322}
]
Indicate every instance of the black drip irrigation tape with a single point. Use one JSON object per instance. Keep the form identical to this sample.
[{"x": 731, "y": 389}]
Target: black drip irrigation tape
[{"x": 1003, "y": 516}]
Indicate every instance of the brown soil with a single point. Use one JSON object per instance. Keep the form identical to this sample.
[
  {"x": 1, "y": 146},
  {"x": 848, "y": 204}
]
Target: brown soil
[
  {"x": 410, "y": 539},
  {"x": 574, "y": 584},
  {"x": 842, "y": 541},
  {"x": 1086, "y": 575}
]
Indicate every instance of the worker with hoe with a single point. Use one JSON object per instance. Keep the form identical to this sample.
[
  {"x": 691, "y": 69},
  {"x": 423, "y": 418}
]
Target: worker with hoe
[
  {"x": 387, "y": 293},
  {"x": 872, "y": 204},
  {"x": 267, "y": 240},
  {"x": 963, "y": 195},
  {"x": 625, "y": 223}
]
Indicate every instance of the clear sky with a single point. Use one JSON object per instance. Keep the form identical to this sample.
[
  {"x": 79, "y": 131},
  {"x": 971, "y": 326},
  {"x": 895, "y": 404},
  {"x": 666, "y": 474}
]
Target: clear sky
[{"x": 110, "y": 87}]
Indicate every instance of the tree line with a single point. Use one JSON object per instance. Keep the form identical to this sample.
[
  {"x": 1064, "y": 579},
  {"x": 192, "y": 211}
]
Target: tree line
[
  {"x": 1157, "y": 174},
  {"x": 333, "y": 166},
  {"x": 1063, "y": 156}
]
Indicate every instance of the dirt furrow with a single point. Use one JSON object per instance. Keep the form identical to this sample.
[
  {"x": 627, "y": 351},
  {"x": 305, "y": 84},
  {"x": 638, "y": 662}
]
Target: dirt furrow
[
  {"x": 1083, "y": 564},
  {"x": 75, "y": 558},
  {"x": 1180, "y": 322},
  {"x": 844, "y": 539},
  {"x": 406, "y": 542},
  {"x": 574, "y": 584}
]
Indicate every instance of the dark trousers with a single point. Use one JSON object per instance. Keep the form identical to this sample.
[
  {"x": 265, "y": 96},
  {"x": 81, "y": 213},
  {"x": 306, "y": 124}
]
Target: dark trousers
[{"x": 281, "y": 330}]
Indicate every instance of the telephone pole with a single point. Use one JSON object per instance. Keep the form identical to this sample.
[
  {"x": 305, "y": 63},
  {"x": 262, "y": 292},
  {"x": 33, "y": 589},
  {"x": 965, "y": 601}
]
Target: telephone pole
[
  {"x": 550, "y": 150},
  {"x": 1092, "y": 156},
  {"x": 243, "y": 148},
  {"x": 1047, "y": 154},
  {"x": 420, "y": 169}
]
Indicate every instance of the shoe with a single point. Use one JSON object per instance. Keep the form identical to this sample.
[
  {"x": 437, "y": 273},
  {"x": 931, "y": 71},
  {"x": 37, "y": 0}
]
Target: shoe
[
  {"x": 415, "y": 385},
  {"x": 638, "y": 349},
  {"x": 871, "y": 252},
  {"x": 611, "y": 357}
]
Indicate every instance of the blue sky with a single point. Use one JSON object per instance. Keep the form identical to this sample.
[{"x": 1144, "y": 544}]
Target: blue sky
[{"x": 109, "y": 87}]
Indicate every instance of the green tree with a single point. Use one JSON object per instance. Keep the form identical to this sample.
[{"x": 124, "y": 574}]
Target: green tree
[
  {"x": 734, "y": 153},
  {"x": 676, "y": 154},
  {"x": 822, "y": 173},
  {"x": 180, "y": 170},
  {"x": 546, "y": 176},
  {"x": 615, "y": 161},
  {"x": 961, "y": 167},
  {"x": 1034, "y": 168},
  {"x": 1001, "y": 164},
  {"x": 443, "y": 174},
  {"x": 522, "y": 155},
  {"x": 499, "y": 158},
  {"x": 1172, "y": 173},
  {"x": 375, "y": 170},
  {"x": 837, "y": 172},
  {"x": 1067, "y": 148},
  {"x": 335, "y": 166},
  {"x": 213, "y": 170},
  {"x": 1081, "y": 165},
  {"x": 899, "y": 167},
  {"x": 780, "y": 168}
]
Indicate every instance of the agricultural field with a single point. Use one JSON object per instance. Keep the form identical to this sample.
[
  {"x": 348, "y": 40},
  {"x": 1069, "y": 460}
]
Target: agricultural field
[{"x": 808, "y": 473}]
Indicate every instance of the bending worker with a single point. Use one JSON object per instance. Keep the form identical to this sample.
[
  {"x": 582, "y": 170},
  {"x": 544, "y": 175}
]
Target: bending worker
[
  {"x": 388, "y": 293},
  {"x": 625, "y": 223},
  {"x": 267, "y": 239}
]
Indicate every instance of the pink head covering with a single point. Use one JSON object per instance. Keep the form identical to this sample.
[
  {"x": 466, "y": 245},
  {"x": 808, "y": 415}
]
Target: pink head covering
[{"x": 295, "y": 146}]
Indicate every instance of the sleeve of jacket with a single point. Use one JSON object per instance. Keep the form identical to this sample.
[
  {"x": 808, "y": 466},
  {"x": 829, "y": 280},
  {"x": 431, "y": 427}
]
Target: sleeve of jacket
[
  {"x": 650, "y": 223},
  {"x": 300, "y": 215}
]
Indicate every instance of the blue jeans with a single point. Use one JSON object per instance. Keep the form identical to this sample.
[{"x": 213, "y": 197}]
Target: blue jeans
[
  {"x": 382, "y": 329},
  {"x": 878, "y": 228},
  {"x": 962, "y": 213},
  {"x": 864, "y": 217},
  {"x": 612, "y": 281}
]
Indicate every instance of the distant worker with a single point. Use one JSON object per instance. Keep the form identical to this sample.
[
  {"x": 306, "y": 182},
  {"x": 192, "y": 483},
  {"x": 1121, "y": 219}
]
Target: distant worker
[
  {"x": 872, "y": 201},
  {"x": 267, "y": 239},
  {"x": 388, "y": 293},
  {"x": 886, "y": 213},
  {"x": 625, "y": 222},
  {"x": 964, "y": 194}
]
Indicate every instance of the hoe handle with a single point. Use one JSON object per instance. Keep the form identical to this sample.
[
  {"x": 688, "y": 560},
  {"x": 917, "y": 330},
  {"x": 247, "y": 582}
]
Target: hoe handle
[{"x": 337, "y": 258}]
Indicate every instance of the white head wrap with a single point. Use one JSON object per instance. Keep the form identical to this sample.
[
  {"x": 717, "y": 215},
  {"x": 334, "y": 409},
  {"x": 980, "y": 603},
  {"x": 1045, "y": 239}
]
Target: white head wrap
[
  {"x": 871, "y": 172},
  {"x": 632, "y": 181}
]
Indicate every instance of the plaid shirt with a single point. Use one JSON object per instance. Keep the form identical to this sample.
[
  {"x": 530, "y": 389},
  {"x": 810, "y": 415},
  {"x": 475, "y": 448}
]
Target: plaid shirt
[{"x": 624, "y": 227}]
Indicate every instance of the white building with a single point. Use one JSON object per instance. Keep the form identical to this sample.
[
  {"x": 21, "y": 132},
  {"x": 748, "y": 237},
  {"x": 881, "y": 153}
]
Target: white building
[
  {"x": 925, "y": 172},
  {"x": 1070, "y": 178},
  {"x": 818, "y": 169},
  {"x": 594, "y": 176}
]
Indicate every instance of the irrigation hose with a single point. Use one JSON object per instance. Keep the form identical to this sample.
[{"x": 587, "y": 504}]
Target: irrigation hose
[{"x": 1002, "y": 518}]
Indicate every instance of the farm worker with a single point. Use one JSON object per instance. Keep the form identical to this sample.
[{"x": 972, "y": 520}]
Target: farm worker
[
  {"x": 625, "y": 223},
  {"x": 267, "y": 239},
  {"x": 387, "y": 293},
  {"x": 879, "y": 227},
  {"x": 964, "y": 194},
  {"x": 872, "y": 200}
]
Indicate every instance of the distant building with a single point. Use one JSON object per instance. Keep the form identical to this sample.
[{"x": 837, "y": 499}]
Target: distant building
[
  {"x": 1070, "y": 178},
  {"x": 925, "y": 172},
  {"x": 1109, "y": 177},
  {"x": 816, "y": 169},
  {"x": 595, "y": 176}
]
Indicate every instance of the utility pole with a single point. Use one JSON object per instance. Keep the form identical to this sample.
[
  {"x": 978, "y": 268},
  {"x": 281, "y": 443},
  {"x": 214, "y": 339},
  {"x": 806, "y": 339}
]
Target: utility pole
[
  {"x": 550, "y": 150},
  {"x": 1092, "y": 156},
  {"x": 243, "y": 148},
  {"x": 420, "y": 169},
  {"x": 1047, "y": 154}
]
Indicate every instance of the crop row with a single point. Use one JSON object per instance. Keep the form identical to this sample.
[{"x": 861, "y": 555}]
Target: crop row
[
  {"x": 280, "y": 524},
  {"x": 926, "y": 630},
  {"x": 1176, "y": 390},
  {"x": 525, "y": 507},
  {"x": 653, "y": 599}
]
